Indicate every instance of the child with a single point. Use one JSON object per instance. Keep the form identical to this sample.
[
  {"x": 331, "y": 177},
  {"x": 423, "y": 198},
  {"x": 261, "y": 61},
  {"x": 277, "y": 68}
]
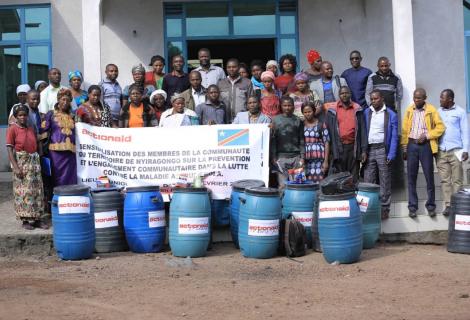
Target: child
[
  {"x": 303, "y": 95},
  {"x": 112, "y": 92},
  {"x": 212, "y": 111},
  {"x": 27, "y": 183},
  {"x": 288, "y": 143},
  {"x": 269, "y": 98},
  {"x": 317, "y": 142},
  {"x": 158, "y": 102}
]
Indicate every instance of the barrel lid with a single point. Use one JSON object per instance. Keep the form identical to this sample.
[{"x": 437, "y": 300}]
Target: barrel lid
[
  {"x": 143, "y": 189},
  {"x": 241, "y": 185},
  {"x": 262, "y": 191},
  {"x": 302, "y": 186},
  {"x": 339, "y": 196},
  {"x": 71, "y": 190},
  {"x": 365, "y": 186},
  {"x": 102, "y": 190},
  {"x": 190, "y": 190}
]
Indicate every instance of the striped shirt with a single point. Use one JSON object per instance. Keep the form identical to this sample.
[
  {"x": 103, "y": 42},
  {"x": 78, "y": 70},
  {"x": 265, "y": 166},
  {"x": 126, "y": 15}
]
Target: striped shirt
[{"x": 418, "y": 126}]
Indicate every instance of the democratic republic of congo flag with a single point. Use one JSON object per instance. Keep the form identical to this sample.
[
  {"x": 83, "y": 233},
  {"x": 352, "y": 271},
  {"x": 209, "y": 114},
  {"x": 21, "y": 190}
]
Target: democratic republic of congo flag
[{"x": 233, "y": 137}]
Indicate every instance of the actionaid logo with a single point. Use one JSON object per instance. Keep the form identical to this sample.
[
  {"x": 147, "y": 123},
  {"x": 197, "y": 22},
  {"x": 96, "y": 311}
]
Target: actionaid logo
[
  {"x": 157, "y": 219},
  {"x": 104, "y": 137},
  {"x": 73, "y": 204},
  {"x": 193, "y": 225},
  {"x": 263, "y": 228}
]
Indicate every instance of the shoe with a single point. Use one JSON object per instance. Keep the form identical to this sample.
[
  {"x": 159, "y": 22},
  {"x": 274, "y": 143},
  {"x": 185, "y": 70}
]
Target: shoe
[
  {"x": 446, "y": 212},
  {"x": 41, "y": 224},
  {"x": 27, "y": 226},
  {"x": 432, "y": 213},
  {"x": 385, "y": 213},
  {"x": 412, "y": 214}
]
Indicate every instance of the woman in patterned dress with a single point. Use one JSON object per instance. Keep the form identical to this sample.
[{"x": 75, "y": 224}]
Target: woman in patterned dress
[
  {"x": 59, "y": 127},
  {"x": 27, "y": 183},
  {"x": 317, "y": 142},
  {"x": 93, "y": 112}
]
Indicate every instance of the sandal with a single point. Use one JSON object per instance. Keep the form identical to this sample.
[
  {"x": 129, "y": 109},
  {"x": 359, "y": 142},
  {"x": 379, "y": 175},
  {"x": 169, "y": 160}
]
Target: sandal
[
  {"x": 41, "y": 224},
  {"x": 27, "y": 226}
]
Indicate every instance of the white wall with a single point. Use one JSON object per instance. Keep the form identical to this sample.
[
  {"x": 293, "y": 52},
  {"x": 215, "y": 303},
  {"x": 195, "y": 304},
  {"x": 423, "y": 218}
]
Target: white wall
[
  {"x": 336, "y": 27},
  {"x": 120, "y": 45}
]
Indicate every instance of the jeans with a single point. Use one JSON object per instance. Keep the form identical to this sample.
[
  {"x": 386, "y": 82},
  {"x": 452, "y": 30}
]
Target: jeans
[{"x": 416, "y": 154}]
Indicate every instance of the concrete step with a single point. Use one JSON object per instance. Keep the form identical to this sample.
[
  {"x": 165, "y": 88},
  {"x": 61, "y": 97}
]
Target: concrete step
[{"x": 400, "y": 208}]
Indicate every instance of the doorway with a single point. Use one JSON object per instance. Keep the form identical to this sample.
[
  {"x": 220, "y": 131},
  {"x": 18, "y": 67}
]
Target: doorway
[{"x": 245, "y": 50}]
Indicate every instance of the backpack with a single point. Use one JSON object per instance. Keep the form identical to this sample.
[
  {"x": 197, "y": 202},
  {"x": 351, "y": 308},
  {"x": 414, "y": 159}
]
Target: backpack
[
  {"x": 342, "y": 182},
  {"x": 293, "y": 238}
]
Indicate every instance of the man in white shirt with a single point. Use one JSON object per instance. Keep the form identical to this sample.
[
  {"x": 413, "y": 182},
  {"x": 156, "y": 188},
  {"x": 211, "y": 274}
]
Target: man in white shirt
[
  {"x": 210, "y": 74},
  {"x": 196, "y": 94},
  {"x": 49, "y": 95}
]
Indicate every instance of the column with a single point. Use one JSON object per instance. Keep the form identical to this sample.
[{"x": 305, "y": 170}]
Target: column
[{"x": 91, "y": 21}]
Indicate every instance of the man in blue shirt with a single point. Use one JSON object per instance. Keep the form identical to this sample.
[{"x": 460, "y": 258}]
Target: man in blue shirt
[
  {"x": 453, "y": 146},
  {"x": 356, "y": 77}
]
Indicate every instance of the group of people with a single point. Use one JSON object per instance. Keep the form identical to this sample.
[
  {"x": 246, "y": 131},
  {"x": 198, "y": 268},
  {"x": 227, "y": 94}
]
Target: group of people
[{"x": 320, "y": 121}]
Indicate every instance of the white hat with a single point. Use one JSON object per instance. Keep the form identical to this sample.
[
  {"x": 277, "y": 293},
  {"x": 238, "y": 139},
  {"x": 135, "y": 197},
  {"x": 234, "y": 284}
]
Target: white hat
[
  {"x": 160, "y": 92},
  {"x": 25, "y": 88}
]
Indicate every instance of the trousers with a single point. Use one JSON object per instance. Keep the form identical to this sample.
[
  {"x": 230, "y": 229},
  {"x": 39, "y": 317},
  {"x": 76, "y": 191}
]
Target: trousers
[{"x": 451, "y": 173}]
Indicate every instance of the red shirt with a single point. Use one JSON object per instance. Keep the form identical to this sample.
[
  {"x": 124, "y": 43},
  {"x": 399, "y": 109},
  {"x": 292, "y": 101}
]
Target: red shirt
[
  {"x": 285, "y": 83},
  {"x": 346, "y": 122},
  {"x": 22, "y": 139}
]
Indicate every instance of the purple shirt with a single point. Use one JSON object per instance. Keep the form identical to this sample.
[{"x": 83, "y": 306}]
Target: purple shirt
[{"x": 357, "y": 81}]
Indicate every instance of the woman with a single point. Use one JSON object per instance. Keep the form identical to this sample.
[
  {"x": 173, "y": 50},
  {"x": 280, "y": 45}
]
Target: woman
[
  {"x": 40, "y": 85},
  {"x": 256, "y": 71},
  {"x": 243, "y": 70},
  {"x": 285, "y": 82},
  {"x": 155, "y": 77},
  {"x": 272, "y": 66},
  {"x": 59, "y": 127},
  {"x": 138, "y": 75},
  {"x": 253, "y": 115},
  {"x": 303, "y": 95},
  {"x": 317, "y": 142},
  {"x": 27, "y": 183},
  {"x": 94, "y": 112},
  {"x": 137, "y": 113},
  {"x": 79, "y": 95},
  {"x": 158, "y": 102},
  {"x": 178, "y": 115},
  {"x": 270, "y": 103}
]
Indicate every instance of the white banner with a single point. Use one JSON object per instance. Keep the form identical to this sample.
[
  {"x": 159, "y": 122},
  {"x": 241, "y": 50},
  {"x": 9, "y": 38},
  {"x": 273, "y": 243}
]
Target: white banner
[{"x": 171, "y": 156}]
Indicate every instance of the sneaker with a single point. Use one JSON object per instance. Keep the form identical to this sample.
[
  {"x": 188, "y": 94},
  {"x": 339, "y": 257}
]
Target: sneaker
[
  {"x": 412, "y": 214},
  {"x": 41, "y": 224},
  {"x": 432, "y": 212},
  {"x": 27, "y": 226},
  {"x": 446, "y": 212},
  {"x": 385, "y": 213}
]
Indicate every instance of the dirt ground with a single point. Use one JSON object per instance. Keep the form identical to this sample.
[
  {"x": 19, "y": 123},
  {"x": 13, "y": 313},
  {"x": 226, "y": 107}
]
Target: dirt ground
[{"x": 390, "y": 282}]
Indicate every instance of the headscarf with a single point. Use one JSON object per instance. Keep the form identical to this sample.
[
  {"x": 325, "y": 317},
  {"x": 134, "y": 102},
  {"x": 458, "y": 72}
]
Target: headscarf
[
  {"x": 138, "y": 68},
  {"x": 38, "y": 83},
  {"x": 160, "y": 92},
  {"x": 75, "y": 74},
  {"x": 313, "y": 55},
  {"x": 272, "y": 63},
  {"x": 301, "y": 76},
  {"x": 64, "y": 92},
  {"x": 23, "y": 88},
  {"x": 267, "y": 74},
  {"x": 176, "y": 96}
]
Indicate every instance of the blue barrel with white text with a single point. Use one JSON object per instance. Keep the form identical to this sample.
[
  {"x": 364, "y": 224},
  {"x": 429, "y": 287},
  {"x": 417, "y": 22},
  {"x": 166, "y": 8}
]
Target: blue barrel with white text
[
  {"x": 368, "y": 198},
  {"x": 144, "y": 219},
  {"x": 190, "y": 222},
  {"x": 260, "y": 212},
  {"x": 299, "y": 200},
  {"x": 74, "y": 222},
  {"x": 340, "y": 227},
  {"x": 238, "y": 188}
]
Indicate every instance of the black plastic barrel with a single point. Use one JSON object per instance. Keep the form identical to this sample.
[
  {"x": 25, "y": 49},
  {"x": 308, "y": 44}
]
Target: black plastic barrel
[
  {"x": 459, "y": 223},
  {"x": 109, "y": 227}
]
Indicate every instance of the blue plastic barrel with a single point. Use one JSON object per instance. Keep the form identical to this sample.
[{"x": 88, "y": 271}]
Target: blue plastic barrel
[
  {"x": 73, "y": 221},
  {"x": 220, "y": 209},
  {"x": 340, "y": 227},
  {"x": 368, "y": 198},
  {"x": 260, "y": 212},
  {"x": 144, "y": 219},
  {"x": 190, "y": 222},
  {"x": 238, "y": 188},
  {"x": 299, "y": 200}
]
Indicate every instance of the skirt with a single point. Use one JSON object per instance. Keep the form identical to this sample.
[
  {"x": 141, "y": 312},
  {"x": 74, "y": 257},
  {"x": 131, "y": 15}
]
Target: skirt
[
  {"x": 64, "y": 167},
  {"x": 28, "y": 191}
]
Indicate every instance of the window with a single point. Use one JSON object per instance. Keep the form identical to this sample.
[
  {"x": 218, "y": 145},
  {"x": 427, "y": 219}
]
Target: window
[{"x": 25, "y": 50}]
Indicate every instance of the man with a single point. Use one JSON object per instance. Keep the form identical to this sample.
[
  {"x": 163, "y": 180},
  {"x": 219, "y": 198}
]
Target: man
[
  {"x": 381, "y": 125},
  {"x": 177, "y": 81},
  {"x": 234, "y": 90},
  {"x": 356, "y": 77},
  {"x": 212, "y": 111},
  {"x": 327, "y": 87},
  {"x": 421, "y": 129},
  {"x": 210, "y": 74},
  {"x": 195, "y": 95},
  {"x": 314, "y": 60},
  {"x": 345, "y": 122},
  {"x": 253, "y": 115},
  {"x": 453, "y": 146},
  {"x": 112, "y": 91},
  {"x": 388, "y": 83},
  {"x": 256, "y": 71},
  {"x": 49, "y": 95}
]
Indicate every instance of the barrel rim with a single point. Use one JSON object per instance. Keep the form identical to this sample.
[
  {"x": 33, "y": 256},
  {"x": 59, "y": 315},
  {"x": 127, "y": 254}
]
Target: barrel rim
[
  {"x": 143, "y": 189},
  {"x": 303, "y": 186},
  {"x": 101, "y": 190},
  {"x": 190, "y": 189},
  {"x": 339, "y": 196},
  {"x": 262, "y": 191},
  {"x": 236, "y": 185},
  {"x": 367, "y": 186},
  {"x": 71, "y": 190}
]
